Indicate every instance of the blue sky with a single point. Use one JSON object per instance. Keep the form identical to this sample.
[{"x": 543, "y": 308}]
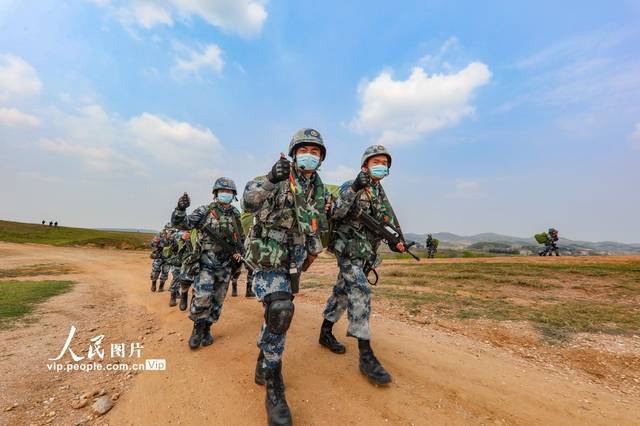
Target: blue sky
[{"x": 503, "y": 116}]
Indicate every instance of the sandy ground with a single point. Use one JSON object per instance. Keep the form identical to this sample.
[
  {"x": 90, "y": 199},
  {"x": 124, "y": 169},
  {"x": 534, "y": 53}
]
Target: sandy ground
[{"x": 439, "y": 377}]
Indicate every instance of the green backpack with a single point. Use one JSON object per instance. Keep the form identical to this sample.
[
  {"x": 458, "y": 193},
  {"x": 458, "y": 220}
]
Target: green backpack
[{"x": 541, "y": 238}]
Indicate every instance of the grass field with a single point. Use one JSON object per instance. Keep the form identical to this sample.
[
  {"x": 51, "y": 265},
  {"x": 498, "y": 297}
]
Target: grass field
[
  {"x": 17, "y": 232},
  {"x": 19, "y": 298},
  {"x": 558, "y": 299}
]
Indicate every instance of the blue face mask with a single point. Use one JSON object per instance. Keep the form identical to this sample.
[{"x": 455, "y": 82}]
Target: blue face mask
[
  {"x": 379, "y": 171},
  {"x": 307, "y": 161},
  {"x": 225, "y": 197}
]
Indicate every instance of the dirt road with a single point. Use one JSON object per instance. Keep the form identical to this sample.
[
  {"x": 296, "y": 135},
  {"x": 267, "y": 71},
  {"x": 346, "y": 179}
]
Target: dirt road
[{"x": 439, "y": 377}]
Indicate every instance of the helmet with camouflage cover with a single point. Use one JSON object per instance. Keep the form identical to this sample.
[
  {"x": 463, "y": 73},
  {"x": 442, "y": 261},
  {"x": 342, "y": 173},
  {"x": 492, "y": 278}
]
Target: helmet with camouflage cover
[
  {"x": 553, "y": 231},
  {"x": 372, "y": 151},
  {"x": 225, "y": 183},
  {"x": 307, "y": 137}
]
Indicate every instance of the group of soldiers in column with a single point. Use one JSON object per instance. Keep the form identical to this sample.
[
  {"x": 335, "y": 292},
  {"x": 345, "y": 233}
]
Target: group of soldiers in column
[{"x": 291, "y": 211}]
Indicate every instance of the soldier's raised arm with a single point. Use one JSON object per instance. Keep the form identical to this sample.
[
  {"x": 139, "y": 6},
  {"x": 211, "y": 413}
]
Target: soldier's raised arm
[
  {"x": 259, "y": 189},
  {"x": 347, "y": 195},
  {"x": 180, "y": 219}
]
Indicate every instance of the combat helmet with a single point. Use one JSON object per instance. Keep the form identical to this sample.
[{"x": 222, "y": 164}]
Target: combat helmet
[
  {"x": 225, "y": 183},
  {"x": 552, "y": 231},
  {"x": 307, "y": 137},
  {"x": 374, "y": 150}
]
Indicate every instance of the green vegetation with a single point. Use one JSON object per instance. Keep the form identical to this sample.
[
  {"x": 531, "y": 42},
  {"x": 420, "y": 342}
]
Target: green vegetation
[
  {"x": 19, "y": 298},
  {"x": 557, "y": 299},
  {"x": 34, "y": 270},
  {"x": 16, "y": 232}
]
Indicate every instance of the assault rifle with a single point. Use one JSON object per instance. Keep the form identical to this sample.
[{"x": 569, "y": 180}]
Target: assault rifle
[
  {"x": 229, "y": 246},
  {"x": 386, "y": 231}
]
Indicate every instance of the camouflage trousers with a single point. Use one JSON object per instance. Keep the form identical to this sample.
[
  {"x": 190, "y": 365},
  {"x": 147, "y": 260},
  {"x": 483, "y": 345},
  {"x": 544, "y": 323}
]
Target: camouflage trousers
[
  {"x": 352, "y": 293},
  {"x": 431, "y": 252},
  {"x": 185, "y": 282},
  {"x": 159, "y": 268},
  {"x": 209, "y": 291},
  {"x": 265, "y": 283},
  {"x": 175, "y": 279}
]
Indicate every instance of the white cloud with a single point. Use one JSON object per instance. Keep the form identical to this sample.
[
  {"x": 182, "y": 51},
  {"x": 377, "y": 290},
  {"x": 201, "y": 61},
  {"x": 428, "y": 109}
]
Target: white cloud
[
  {"x": 12, "y": 117},
  {"x": 634, "y": 137},
  {"x": 465, "y": 189},
  {"x": 37, "y": 176},
  {"x": 17, "y": 77},
  {"x": 171, "y": 141},
  {"x": 207, "y": 59},
  {"x": 107, "y": 143},
  {"x": 146, "y": 14},
  {"x": 244, "y": 17},
  {"x": 400, "y": 111},
  {"x": 97, "y": 158},
  {"x": 339, "y": 175}
]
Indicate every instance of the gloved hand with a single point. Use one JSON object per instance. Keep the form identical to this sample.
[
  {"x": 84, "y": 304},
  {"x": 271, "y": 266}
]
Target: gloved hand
[
  {"x": 183, "y": 202},
  {"x": 280, "y": 170},
  {"x": 361, "y": 181}
]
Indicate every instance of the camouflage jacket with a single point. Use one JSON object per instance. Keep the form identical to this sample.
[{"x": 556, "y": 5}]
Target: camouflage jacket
[
  {"x": 225, "y": 221},
  {"x": 157, "y": 244},
  {"x": 430, "y": 242},
  {"x": 349, "y": 237},
  {"x": 286, "y": 214}
]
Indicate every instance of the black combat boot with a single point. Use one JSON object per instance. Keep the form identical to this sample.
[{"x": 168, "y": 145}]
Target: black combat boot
[
  {"x": 196, "y": 335},
  {"x": 153, "y": 286},
  {"x": 249, "y": 292},
  {"x": 173, "y": 299},
  {"x": 278, "y": 413},
  {"x": 207, "y": 338},
  {"x": 261, "y": 370},
  {"x": 328, "y": 340},
  {"x": 234, "y": 290},
  {"x": 370, "y": 366},
  {"x": 184, "y": 298},
  {"x": 161, "y": 288}
]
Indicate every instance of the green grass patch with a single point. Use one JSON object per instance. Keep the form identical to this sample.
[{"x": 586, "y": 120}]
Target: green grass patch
[
  {"x": 16, "y": 232},
  {"x": 34, "y": 270},
  {"x": 19, "y": 298}
]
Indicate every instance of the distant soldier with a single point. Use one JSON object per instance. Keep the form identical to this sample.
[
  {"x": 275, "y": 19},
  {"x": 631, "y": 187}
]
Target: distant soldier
[
  {"x": 220, "y": 250},
  {"x": 50, "y": 223},
  {"x": 55, "y": 223},
  {"x": 432, "y": 246},
  {"x": 43, "y": 222},
  {"x": 159, "y": 267},
  {"x": 549, "y": 240}
]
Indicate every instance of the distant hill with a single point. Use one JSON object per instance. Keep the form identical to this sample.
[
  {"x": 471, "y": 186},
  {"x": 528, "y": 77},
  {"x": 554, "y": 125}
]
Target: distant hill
[
  {"x": 524, "y": 245},
  {"x": 17, "y": 232}
]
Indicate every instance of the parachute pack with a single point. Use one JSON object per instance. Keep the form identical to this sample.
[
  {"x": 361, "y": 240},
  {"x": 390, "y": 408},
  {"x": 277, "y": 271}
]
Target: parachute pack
[{"x": 541, "y": 238}]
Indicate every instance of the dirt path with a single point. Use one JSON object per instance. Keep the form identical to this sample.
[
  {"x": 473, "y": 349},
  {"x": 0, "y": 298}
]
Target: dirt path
[{"x": 439, "y": 378}]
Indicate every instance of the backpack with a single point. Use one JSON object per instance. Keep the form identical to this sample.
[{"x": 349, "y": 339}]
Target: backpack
[{"x": 541, "y": 238}]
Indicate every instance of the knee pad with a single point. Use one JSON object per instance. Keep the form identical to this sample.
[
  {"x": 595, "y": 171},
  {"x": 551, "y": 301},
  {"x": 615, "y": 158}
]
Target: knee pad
[{"x": 279, "y": 312}]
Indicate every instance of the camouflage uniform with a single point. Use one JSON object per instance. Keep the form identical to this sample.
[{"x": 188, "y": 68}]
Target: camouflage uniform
[
  {"x": 189, "y": 264},
  {"x": 174, "y": 261},
  {"x": 354, "y": 246},
  {"x": 159, "y": 267},
  {"x": 431, "y": 247},
  {"x": 288, "y": 217},
  {"x": 212, "y": 280},
  {"x": 550, "y": 245}
]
